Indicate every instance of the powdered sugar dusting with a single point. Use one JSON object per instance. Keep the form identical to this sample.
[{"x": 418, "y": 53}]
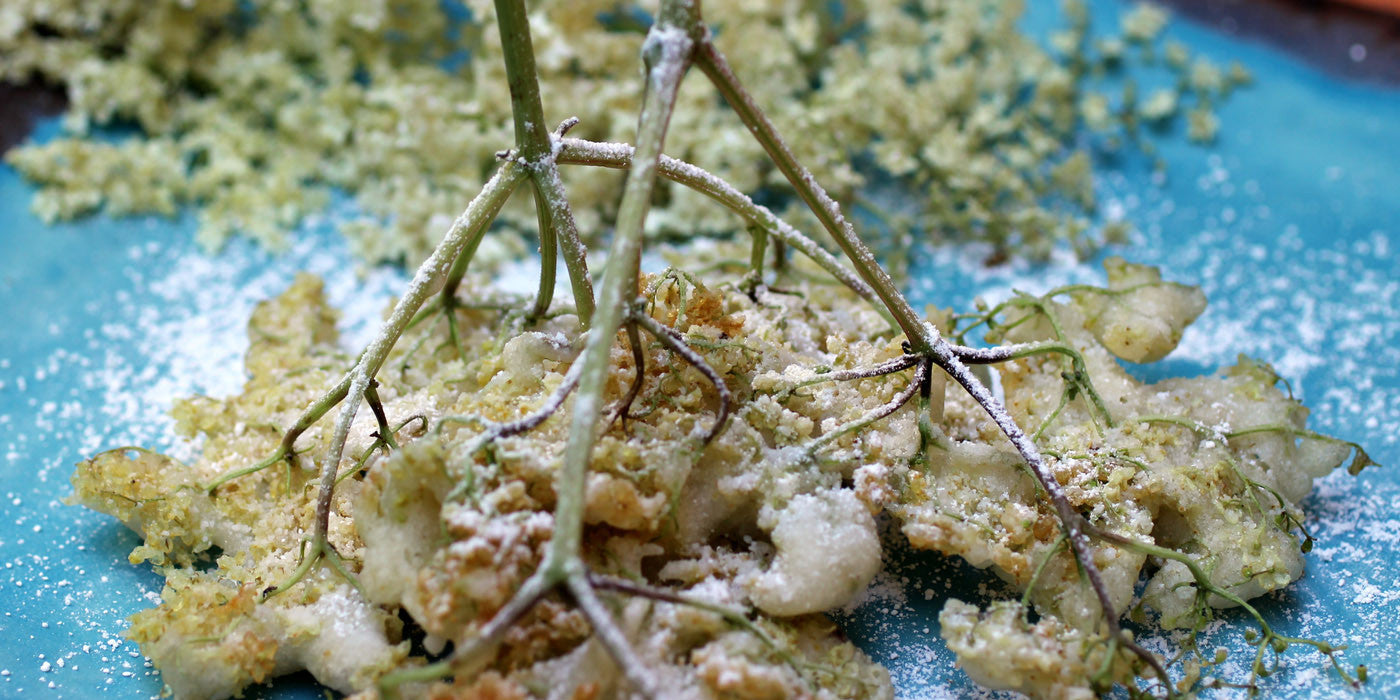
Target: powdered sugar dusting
[{"x": 166, "y": 322}]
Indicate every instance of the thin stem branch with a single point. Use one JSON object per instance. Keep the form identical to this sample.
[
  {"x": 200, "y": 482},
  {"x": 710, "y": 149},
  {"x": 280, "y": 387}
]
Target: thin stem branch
[
  {"x": 390, "y": 683},
  {"x": 287, "y": 448},
  {"x": 709, "y": 59},
  {"x": 549, "y": 253},
  {"x": 607, "y": 631},
  {"x": 474, "y": 653},
  {"x": 891, "y": 366},
  {"x": 874, "y": 414},
  {"x": 639, "y": 365},
  {"x": 1078, "y": 378},
  {"x": 454, "y": 276},
  {"x": 1040, "y": 569},
  {"x": 619, "y": 156},
  {"x": 531, "y": 133},
  {"x": 550, "y": 189},
  {"x": 536, "y": 147},
  {"x": 1006, "y": 353},
  {"x": 675, "y": 342},
  {"x": 430, "y": 276},
  {"x": 733, "y": 617},
  {"x": 1070, "y": 520},
  {"x": 320, "y": 550},
  {"x": 530, "y": 421},
  {"x": 667, "y": 54},
  {"x": 754, "y": 278},
  {"x": 386, "y": 434}
]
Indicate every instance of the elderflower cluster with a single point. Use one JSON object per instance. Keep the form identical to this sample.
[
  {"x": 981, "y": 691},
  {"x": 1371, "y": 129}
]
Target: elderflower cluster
[
  {"x": 1211, "y": 468},
  {"x": 257, "y": 112}
]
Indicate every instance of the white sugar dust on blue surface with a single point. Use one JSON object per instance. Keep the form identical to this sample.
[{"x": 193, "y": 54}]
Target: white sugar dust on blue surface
[{"x": 112, "y": 321}]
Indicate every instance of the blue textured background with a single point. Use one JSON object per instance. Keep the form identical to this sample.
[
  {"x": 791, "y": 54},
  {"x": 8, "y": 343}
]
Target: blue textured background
[{"x": 1290, "y": 223}]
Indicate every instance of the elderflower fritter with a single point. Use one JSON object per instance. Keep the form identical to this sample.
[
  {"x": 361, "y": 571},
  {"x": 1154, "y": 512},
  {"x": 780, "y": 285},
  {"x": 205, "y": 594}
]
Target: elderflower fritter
[
  {"x": 1210, "y": 468},
  {"x": 776, "y": 514},
  {"x": 1001, "y": 650},
  {"x": 446, "y": 527}
]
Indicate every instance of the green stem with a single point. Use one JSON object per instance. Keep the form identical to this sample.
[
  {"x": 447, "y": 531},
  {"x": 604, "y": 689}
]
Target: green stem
[
  {"x": 386, "y": 434},
  {"x": 754, "y": 278},
  {"x": 1198, "y": 574},
  {"x": 549, "y": 254},
  {"x": 1079, "y": 376},
  {"x": 287, "y": 448},
  {"x": 879, "y": 412},
  {"x": 390, "y": 682},
  {"x": 476, "y": 652},
  {"x": 535, "y": 145},
  {"x": 712, "y": 62},
  {"x": 1059, "y": 545},
  {"x": 1202, "y": 431},
  {"x": 1064, "y": 401},
  {"x": 612, "y": 638},
  {"x": 551, "y": 188},
  {"x": 733, "y": 617},
  {"x": 756, "y": 255},
  {"x": 275, "y": 457},
  {"x": 430, "y": 276},
  {"x": 667, "y": 54},
  {"x": 531, "y": 134},
  {"x": 619, "y": 155},
  {"x": 639, "y": 376},
  {"x": 319, "y": 549},
  {"x": 1359, "y": 460},
  {"x": 674, "y": 342},
  {"x": 927, "y": 416},
  {"x": 459, "y": 270}
]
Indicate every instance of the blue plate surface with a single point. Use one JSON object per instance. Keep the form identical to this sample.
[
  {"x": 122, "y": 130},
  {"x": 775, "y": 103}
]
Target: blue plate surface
[{"x": 1291, "y": 224}]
